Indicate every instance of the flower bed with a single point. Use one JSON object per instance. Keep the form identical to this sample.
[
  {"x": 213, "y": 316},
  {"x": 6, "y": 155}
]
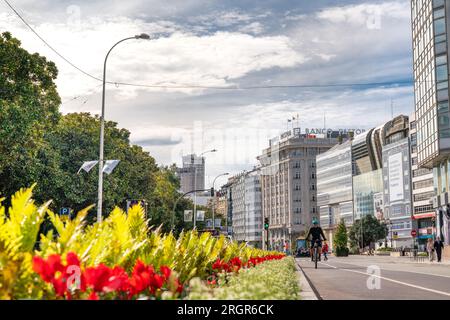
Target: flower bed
[
  {"x": 276, "y": 279},
  {"x": 119, "y": 258}
]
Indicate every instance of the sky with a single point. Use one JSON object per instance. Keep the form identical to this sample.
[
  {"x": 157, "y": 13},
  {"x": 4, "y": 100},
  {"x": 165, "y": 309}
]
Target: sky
[{"x": 229, "y": 46}]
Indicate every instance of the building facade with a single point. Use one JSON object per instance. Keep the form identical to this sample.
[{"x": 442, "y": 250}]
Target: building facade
[
  {"x": 289, "y": 185},
  {"x": 247, "y": 222},
  {"x": 335, "y": 188},
  {"x": 397, "y": 193},
  {"x": 424, "y": 215},
  {"x": 192, "y": 174},
  {"x": 396, "y": 211},
  {"x": 367, "y": 172},
  {"x": 430, "y": 30}
]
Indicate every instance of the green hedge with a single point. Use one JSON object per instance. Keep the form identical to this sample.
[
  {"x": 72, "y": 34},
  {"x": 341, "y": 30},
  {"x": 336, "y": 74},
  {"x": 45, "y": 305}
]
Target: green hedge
[{"x": 271, "y": 280}]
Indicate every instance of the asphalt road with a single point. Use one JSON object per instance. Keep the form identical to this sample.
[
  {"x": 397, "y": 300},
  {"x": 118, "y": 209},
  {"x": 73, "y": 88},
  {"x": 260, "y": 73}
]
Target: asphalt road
[{"x": 375, "y": 278}]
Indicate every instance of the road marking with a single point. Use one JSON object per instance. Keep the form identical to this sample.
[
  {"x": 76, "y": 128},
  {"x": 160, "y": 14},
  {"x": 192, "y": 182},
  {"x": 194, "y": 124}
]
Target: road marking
[
  {"x": 382, "y": 268},
  {"x": 391, "y": 280}
]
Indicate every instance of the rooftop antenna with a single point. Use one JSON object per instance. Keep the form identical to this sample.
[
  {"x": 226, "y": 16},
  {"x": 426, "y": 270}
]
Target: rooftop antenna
[{"x": 392, "y": 108}]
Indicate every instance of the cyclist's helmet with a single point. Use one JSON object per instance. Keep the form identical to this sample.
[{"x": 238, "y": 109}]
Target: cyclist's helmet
[{"x": 315, "y": 222}]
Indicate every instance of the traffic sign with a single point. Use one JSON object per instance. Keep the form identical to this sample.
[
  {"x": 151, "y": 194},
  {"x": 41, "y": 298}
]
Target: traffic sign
[
  {"x": 413, "y": 233},
  {"x": 64, "y": 211}
]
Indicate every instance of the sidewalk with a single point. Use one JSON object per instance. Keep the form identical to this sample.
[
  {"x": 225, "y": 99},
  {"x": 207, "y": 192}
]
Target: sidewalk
[
  {"x": 306, "y": 292},
  {"x": 424, "y": 261}
]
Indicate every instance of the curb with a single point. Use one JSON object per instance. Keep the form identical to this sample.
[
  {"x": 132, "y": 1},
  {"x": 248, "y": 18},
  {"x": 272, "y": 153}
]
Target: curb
[{"x": 307, "y": 292}]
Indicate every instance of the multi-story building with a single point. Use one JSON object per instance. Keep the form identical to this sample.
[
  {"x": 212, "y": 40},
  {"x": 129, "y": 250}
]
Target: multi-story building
[
  {"x": 335, "y": 188},
  {"x": 396, "y": 207},
  {"x": 219, "y": 204},
  {"x": 431, "y": 55},
  {"x": 367, "y": 172},
  {"x": 246, "y": 208},
  {"x": 192, "y": 174},
  {"x": 422, "y": 192},
  {"x": 288, "y": 181}
]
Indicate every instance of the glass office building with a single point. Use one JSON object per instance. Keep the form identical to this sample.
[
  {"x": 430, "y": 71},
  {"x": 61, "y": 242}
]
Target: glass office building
[
  {"x": 365, "y": 187},
  {"x": 334, "y": 187},
  {"x": 430, "y": 30}
]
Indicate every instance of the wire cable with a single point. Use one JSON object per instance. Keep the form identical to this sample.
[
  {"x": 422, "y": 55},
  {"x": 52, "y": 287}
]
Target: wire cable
[{"x": 191, "y": 86}]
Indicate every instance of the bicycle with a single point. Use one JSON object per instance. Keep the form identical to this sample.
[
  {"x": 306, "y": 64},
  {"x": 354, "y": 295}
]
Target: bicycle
[{"x": 316, "y": 253}]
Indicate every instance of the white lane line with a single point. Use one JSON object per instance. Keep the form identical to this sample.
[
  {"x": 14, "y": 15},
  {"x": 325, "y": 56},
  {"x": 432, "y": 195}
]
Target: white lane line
[
  {"x": 392, "y": 280},
  {"x": 382, "y": 268}
]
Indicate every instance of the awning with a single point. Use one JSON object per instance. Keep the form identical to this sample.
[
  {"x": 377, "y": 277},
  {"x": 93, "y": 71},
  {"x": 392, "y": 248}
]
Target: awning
[{"x": 424, "y": 215}]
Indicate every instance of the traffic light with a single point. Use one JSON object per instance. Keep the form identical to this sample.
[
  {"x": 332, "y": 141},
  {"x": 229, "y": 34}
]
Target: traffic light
[
  {"x": 212, "y": 192},
  {"x": 266, "y": 223}
]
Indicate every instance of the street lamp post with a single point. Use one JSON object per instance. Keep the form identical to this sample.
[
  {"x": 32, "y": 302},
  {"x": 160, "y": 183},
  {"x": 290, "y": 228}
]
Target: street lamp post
[
  {"x": 214, "y": 196},
  {"x": 102, "y": 127},
  {"x": 195, "y": 187}
]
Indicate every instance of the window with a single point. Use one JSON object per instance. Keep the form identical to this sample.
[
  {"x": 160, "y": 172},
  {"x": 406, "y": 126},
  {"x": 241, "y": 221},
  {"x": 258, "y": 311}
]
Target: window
[
  {"x": 439, "y": 26},
  {"x": 423, "y": 184},
  {"x": 441, "y": 73},
  {"x": 423, "y": 209},
  {"x": 438, "y": 3},
  {"x": 423, "y": 196},
  {"x": 442, "y": 59},
  {"x": 443, "y": 121},
  {"x": 443, "y": 106},
  {"x": 440, "y": 38},
  {"x": 421, "y": 172}
]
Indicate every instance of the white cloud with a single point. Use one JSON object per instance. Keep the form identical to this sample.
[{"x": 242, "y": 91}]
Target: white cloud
[
  {"x": 219, "y": 46},
  {"x": 366, "y": 14},
  {"x": 182, "y": 58}
]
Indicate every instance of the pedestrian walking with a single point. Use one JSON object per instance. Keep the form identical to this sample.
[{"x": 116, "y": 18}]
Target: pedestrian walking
[
  {"x": 430, "y": 249},
  {"x": 286, "y": 248},
  {"x": 325, "y": 251},
  {"x": 438, "y": 246}
]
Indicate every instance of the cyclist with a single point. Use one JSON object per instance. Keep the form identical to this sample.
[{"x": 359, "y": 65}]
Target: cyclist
[{"x": 315, "y": 232}]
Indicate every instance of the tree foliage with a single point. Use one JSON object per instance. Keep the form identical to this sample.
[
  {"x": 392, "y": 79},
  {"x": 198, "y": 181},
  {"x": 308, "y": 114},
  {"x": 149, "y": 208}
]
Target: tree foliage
[
  {"x": 341, "y": 237},
  {"x": 372, "y": 231},
  {"x": 29, "y": 105},
  {"x": 38, "y": 144}
]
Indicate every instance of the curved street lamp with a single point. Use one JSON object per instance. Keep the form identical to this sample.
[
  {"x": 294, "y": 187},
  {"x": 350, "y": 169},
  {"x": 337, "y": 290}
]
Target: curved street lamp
[{"x": 102, "y": 127}]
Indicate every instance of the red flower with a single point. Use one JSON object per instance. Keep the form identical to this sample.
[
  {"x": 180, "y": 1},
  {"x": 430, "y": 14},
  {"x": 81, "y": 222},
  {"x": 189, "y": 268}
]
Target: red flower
[
  {"x": 118, "y": 280},
  {"x": 156, "y": 282},
  {"x": 179, "y": 286},
  {"x": 60, "y": 286},
  {"x": 98, "y": 277},
  {"x": 142, "y": 278},
  {"x": 41, "y": 267},
  {"x": 72, "y": 259},
  {"x": 93, "y": 296},
  {"x": 166, "y": 272}
]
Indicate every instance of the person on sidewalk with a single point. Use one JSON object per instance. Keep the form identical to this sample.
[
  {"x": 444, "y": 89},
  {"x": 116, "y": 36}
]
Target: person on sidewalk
[
  {"x": 430, "y": 249},
  {"x": 438, "y": 246},
  {"x": 325, "y": 251}
]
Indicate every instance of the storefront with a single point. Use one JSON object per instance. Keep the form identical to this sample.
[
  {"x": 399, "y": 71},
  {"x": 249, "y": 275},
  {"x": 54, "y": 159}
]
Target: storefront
[{"x": 426, "y": 228}]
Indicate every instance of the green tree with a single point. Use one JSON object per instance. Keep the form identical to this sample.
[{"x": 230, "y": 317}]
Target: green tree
[
  {"x": 372, "y": 231},
  {"x": 74, "y": 140},
  {"x": 38, "y": 144},
  {"x": 341, "y": 237},
  {"x": 163, "y": 198},
  {"x": 29, "y": 105}
]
